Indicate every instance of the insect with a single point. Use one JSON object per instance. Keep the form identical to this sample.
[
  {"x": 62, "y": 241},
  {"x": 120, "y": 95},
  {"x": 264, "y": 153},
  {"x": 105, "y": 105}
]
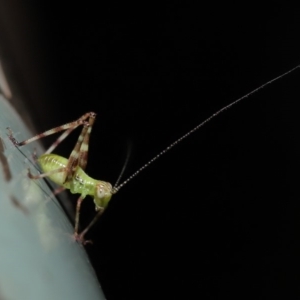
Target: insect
[{"x": 69, "y": 173}]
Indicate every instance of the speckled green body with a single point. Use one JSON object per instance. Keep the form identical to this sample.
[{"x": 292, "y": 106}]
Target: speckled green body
[{"x": 80, "y": 183}]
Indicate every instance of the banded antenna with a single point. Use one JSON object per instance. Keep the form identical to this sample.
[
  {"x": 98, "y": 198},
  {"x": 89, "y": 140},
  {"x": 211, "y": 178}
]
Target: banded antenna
[{"x": 116, "y": 188}]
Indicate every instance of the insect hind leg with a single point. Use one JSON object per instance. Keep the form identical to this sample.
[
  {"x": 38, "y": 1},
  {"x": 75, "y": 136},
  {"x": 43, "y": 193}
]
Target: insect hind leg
[
  {"x": 68, "y": 128},
  {"x": 79, "y": 154}
]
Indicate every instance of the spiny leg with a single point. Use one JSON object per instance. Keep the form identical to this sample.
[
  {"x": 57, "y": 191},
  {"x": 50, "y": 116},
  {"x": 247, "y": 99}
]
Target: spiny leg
[
  {"x": 84, "y": 149},
  {"x": 39, "y": 176},
  {"x": 77, "y": 236},
  {"x": 80, "y": 237},
  {"x": 31, "y": 176},
  {"x": 79, "y": 154},
  {"x": 74, "y": 158},
  {"x": 78, "y": 157},
  {"x": 78, "y": 206},
  {"x": 68, "y": 128}
]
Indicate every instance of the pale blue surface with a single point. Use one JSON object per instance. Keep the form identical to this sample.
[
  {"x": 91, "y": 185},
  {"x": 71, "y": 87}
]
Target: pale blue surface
[{"x": 38, "y": 258}]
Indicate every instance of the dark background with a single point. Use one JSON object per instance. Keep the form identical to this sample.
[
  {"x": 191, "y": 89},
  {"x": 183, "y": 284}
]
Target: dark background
[{"x": 219, "y": 215}]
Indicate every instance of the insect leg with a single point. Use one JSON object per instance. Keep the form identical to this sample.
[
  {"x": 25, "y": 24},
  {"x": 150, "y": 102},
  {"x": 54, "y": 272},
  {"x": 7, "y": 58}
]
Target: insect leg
[
  {"x": 31, "y": 176},
  {"x": 95, "y": 219},
  {"x": 79, "y": 154},
  {"x": 58, "y": 190},
  {"x": 83, "y": 155},
  {"x": 68, "y": 128},
  {"x": 78, "y": 205}
]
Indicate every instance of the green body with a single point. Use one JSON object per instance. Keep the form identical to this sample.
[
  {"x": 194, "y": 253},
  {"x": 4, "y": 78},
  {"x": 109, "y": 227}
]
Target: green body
[{"x": 80, "y": 183}]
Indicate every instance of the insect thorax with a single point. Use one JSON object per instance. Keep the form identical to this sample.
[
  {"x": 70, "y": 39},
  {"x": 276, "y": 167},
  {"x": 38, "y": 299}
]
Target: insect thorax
[{"x": 80, "y": 183}]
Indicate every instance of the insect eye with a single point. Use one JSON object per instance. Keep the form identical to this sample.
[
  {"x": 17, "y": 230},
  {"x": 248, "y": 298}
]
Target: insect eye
[{"x": 100, "y": 192}]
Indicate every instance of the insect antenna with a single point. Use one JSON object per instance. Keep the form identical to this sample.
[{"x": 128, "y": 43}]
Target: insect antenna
[
  {"x": 124, "y": 165},
  {"x": 167, "y": 149}
]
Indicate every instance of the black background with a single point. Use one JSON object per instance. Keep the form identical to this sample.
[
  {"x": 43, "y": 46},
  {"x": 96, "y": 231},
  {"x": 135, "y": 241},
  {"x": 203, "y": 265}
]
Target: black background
[{"x": 219, "y": 215}]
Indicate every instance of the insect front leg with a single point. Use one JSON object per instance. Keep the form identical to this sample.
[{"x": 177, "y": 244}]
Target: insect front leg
[
  {"x": 95, "y": 219},
  {"x": 79, "y": 237}
]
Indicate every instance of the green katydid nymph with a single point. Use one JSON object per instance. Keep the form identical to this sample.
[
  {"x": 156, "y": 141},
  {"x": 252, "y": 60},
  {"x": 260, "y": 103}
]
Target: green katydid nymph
[{"x": 69, "y": 173}]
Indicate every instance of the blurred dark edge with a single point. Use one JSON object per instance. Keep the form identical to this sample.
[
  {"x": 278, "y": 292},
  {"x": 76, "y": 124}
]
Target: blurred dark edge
[{"x": 23, "y": 58}]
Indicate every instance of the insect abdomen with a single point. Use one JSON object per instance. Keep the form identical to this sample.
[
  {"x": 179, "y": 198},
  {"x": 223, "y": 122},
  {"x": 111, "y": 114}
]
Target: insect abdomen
[{"x": 50, "y": 162}]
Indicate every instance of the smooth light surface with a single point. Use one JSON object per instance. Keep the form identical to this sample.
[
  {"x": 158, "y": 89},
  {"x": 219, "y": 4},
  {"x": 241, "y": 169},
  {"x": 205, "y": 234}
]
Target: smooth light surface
[{"x": 38, "y": 257}]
